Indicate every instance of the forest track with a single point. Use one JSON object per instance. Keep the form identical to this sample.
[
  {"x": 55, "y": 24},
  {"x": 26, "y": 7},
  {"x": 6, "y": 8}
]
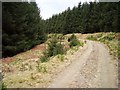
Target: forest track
[{"x": 94, "y": 68}]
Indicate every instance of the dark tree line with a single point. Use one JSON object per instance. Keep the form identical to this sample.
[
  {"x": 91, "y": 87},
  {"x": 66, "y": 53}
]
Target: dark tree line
[
  {"x": 23, "y": 28},
  {"x": 86, "y": 18}
]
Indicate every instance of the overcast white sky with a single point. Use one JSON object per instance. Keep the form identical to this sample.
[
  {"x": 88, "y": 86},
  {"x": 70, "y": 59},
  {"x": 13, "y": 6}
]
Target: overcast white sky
[{"x": 50, "y": 7}]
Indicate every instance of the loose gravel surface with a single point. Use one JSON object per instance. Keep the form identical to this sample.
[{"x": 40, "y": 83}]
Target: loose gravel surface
[{"x": 92, "y": 68}]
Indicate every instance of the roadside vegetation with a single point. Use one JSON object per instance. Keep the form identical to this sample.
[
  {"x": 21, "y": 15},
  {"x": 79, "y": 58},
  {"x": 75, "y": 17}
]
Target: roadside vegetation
[
  {"x": 2, "y": 86},
  {"x": 38, "y": 71},
  {"x": 56, "y": 46},
  {"x": 110, "y": 39},
  {"x": 74, "y": 41}
]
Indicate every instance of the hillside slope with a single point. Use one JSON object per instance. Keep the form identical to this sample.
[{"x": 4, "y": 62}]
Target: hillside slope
[{"x": 88, "y": 66}]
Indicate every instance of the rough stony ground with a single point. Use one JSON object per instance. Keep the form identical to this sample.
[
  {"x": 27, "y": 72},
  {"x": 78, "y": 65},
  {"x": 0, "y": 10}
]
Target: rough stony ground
[{"x": 93, "y": 68}]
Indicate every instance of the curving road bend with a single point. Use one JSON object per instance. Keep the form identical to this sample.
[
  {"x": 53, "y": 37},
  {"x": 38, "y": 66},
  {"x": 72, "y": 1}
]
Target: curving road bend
[{"x": 93, "y": 68}]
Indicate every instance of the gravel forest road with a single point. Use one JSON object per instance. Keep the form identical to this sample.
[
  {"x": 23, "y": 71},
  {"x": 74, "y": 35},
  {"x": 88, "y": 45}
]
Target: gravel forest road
[{"x": 93, "y": 68}]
